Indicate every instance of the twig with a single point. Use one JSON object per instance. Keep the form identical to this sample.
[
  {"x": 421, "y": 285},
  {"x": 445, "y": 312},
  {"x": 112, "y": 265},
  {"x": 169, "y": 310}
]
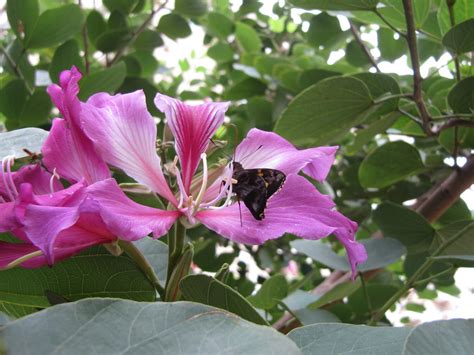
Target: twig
[
  {"x": 392, "y": 27},
  {"x": 450, "y": 5},
  {"x": 362, "y": 45},
  {"x": 85, "y": 39},
  {"x": 16, "y": 69},
  {"x": 420, "y": 272},
  {"x": 454, "y": 115},
  {"x": 136, "y": 33},
  {"x": 455, "y": 123},
  {"x": 417, "y": 79},
  {"x": 366, "y": 294}
]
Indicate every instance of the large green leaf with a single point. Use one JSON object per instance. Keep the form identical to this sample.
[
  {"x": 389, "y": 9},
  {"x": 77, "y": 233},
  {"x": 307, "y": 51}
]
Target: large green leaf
[
  {"x": 22, "y": 16},
  {"x": 124, "y": 6},
  {"x": 463, "y": 10},
  {"x": 191, "y": 8},
  {"x": 314, "y": 316},
  {"x": 380, "y": 252},
  {"x": 221, "y": 52},
  {"x": 156, "y": 253},
  {"x": 126, "y": 327},
  {"x": 108, "y": 80},
  {"x": 325, "y": 111},
  {"x": 351, "y": 5},
  {"x": 207, "y": 290},
  {"x": 14, "y": 142},
  {"x": 148, "y": 40},
  {"x": 349, "y": 339},
  {"x": 447, "y": 337},
  {"x": 460, "y": 39},
  {"x": 390, "y": 48},
  {"x": 388, "y": 164},
  {"x": 245, "y": 89},
  {"x": 272, "y": 291},
  {"x": 56, "y": 26},
  {"x": 405, "y": 225},
  {"x": 219, "y": 25},
  {"x": 93, "y": 273},
  {"x": 462, "y": 248},
  {"x": 247, "y": 38},
  {"x": 324, "y": 30},
  {"x": 174, "y": 26},
  {"x": 461, "y": 96}
]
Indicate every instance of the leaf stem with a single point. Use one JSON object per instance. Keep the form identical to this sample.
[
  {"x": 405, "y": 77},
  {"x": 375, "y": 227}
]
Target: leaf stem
[
  {"x": 16, "y": 69},
  {"x": 366, "y": 294},
  {"x": 420, "y": 272},
  {"x": 432, "y": 277},
  {"x": 392, "y": 27},
  {"x": 143, "y": 263},
  {"x": 175, "y": 247},
  {"x": 384, "y": 98},
  {"x": 355, "y": 33}
]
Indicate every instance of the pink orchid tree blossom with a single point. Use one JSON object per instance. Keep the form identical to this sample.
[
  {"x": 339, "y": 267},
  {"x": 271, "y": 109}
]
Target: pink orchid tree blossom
[{"x": 124, "y": 134}]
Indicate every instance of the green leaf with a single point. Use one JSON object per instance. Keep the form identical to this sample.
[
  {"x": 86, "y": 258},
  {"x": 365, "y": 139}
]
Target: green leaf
[
  {"x": 390, "y": 48},
  {"x": 245, "y": 89},
  {"x": 377, "y": 293},
  {"x": 460, "y": 39},
  {"x": 22, "y": 16},
  {"x": 37, "y": 109},
  {"x": 365, "y": 135},
  {"x": 13, "y": 97},
  {"x": 313, "y": 76},
  {"x": 219, "y": 25},
  {"x": 108, "y": 80},
  {"x": 4, "y": 319},
  {"x": 174, "y": 26},
  {"x": 64, "y": 58},
  {"x": 221, "y": 52},
  {"x": 355, "y": 56},
  {"x": 156, "y": 253},
  {"x": 380, "y": 252},
  {"x": 56, "y": 26},
  {"x": 325, "y": 111},
  {"x": 273, "y": 290},
  {"x": 463, "y": 10},
  {"x": 96, "y": 25},
  {"x": 148, "y": 40},
  {"x": 349, "y": 338},
  {"x": 93, "y": 273},
  {"x": 461, "y": 96},
  {"x": 337, "y": 293},
  {"x": 351, "y": 5},
  {"x": 125, "y": 6},
  {"x": 127, "y": 327},
  {"x": 247, "y": 38},
  {"x": 13, "y": 143},
  {"x": 207, "y": 290},
  {"x": 16, "y": 51},
  {"x": 405, "y": 225},
  {"x": 191, "y": 8},
  {"x": 314, "y": 316},
  {"x": 324, "y": 30},
  {"x": 112, "y": 40},
  {"x": 117, "y": 21},
  {"x": 457, "y": 212},
  {"x": 462, "y": 248},
  {"x": 259, "y": 109},
  {"x": 464, "y": 138},
  {"x": 441, "y": 337},
  {"x": 388, "y": 164}
]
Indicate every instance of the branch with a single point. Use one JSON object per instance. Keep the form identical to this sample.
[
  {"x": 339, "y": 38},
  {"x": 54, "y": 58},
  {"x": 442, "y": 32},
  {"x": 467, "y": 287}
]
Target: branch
[
  {"x": 417, "y": 79},
  {"x": 448, "y": 192},
  {"x": 450, "y": 4},
  {"x": 362, "y": 45},
  {"x": 455, "y": 123},
  {"x": 136, "y": 33}
]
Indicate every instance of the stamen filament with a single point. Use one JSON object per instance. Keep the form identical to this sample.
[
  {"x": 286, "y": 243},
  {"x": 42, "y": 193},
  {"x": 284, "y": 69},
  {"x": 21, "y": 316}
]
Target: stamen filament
[
  {"x": 51, "y": 181},
  {"x": 204, "y": 182},
  {"x": 7, "y": 177},
  {"x": 22, "y": 259}
]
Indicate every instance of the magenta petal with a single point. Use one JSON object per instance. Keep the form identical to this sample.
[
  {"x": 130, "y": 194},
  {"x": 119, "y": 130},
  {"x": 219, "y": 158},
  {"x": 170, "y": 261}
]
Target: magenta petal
[
  {"x": 73, "y": 159},
  {"x": 126, "y": 218},
  {"x": 8, "y": 220},
  {"x": 10, "y": 252},
  {"x": 298, "y": 209},
  {"x": 125, "y": 135},
  {"x": 262, "y": 149},
  {"x": 192, "y": 128}
]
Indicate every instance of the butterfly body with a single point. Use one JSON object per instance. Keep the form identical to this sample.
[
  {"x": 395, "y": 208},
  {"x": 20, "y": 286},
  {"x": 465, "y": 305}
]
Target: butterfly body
[{"x": 255, "y": 186}]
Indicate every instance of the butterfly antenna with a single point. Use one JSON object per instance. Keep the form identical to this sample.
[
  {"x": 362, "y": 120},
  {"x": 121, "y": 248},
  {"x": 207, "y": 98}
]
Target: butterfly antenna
[{"x": 240, "y": 213}]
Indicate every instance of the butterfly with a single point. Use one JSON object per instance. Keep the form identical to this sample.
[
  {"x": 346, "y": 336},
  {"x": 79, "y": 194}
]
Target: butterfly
[{"x": 255, "y": 186}]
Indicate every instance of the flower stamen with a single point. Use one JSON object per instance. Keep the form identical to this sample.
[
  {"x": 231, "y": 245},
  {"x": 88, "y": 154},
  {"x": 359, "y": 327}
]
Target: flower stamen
[
  {"x": 204, "y": 182},
  {"x": 7, "y": 177},
  {"x": 51, "y": 180}
]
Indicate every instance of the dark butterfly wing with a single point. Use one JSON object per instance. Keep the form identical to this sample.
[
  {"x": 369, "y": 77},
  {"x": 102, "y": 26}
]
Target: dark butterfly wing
[{"x": 255, "y": 186}]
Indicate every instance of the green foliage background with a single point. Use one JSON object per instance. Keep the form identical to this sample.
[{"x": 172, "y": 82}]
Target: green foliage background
[{"x": 274, "y": 68}]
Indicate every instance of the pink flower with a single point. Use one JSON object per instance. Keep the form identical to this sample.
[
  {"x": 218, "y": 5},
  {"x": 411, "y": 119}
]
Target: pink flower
[
  {"x": 52, "y": 222},
  {"x": 124, "y": 134}
]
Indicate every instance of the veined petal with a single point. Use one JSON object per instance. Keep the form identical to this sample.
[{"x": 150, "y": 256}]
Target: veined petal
[
  {"x": 192, "y": 128},
  {"x": 8, "y": 220},
  {"x": 10, "y": 252},
  {"x": 298, "y": 209},
  {"x": 125, "y": 136},
  {"x": 126, "y": 218},
  {"x": 73, "y": 159},
  {"x": 67, "y": 146},
  {"x": 268, "y": 150}
]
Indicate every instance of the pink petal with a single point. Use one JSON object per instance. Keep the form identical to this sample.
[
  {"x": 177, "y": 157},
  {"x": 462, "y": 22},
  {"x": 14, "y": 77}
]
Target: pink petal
[
  {"x": 67, "y": 146},
  {"x": 125, "y": 135},
  {"x": 262, "y": 149},
  {"x": 192, "y": 128},
  {"x": 10, "y": 252},
  {"x": 126, "y": 218},
  {"x": 73, "y": 155},
  {"x": 38, "y": 177},
  {"x": 8, "y": 220},
  {"x": 298, "y": 209}
]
